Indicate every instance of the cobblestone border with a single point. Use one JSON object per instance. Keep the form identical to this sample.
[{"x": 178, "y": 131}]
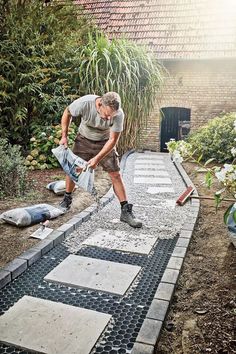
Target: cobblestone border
[
  {"x": 150, "y": 331},
  {"x": 16, "y": 267}
]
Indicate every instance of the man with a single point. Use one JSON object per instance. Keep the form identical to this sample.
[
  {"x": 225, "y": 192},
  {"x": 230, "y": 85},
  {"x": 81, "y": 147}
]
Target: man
[{"x": 99, "y": 131}]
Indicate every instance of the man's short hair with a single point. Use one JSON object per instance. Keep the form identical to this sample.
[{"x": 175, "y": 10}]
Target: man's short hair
[{"x": 111, "y": 99}]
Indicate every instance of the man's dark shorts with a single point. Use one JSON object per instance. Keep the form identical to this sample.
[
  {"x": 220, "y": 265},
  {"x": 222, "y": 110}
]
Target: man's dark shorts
[{"x": 87, "y": 149}]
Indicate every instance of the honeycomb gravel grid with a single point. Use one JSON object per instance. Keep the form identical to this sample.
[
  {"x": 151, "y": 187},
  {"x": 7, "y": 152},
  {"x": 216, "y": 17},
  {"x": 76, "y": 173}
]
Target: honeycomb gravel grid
[{"x": 128, "y": 312}]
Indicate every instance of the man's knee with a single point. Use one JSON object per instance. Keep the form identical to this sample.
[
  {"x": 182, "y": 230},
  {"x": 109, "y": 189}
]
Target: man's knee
[{"x": 115, "y": 175}]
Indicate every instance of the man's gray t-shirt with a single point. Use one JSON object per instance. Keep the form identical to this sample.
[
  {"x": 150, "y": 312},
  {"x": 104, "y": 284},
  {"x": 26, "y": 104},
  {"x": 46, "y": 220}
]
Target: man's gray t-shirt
[{"x": 92, "y": 126}]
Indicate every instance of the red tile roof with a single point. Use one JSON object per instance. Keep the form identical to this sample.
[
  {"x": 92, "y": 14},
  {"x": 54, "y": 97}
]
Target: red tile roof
[{"x": 174, "y": 29}]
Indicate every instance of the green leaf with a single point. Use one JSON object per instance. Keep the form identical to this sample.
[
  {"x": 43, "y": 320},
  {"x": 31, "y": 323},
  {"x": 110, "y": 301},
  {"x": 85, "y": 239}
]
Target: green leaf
[
  {"x": 226, "y": 214},
  {"x": 209, "y": 161},
  {"x": 234, "y": 215},
  {"x": 208, "y": 179}
]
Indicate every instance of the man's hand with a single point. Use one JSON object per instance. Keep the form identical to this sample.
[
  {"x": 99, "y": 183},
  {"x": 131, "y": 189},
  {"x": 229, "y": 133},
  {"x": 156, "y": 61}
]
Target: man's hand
[
  {"x": 64, "y": 142},
  {"x": 93, "y": 163}
]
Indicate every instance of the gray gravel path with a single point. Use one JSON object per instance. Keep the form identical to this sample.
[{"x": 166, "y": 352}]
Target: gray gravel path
[{"x": 160, "y": 214}]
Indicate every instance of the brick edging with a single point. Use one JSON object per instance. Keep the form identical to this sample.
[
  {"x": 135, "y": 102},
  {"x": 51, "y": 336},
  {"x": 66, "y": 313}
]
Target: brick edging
[
  {"x": 16, "y": 267},
  {"x": 150, "y": 331}
]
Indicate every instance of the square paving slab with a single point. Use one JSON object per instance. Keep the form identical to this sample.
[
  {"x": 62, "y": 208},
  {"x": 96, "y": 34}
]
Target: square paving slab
[
  {"x": 152, "y": 180},
  {"x": 158, "y": 190},
  {"x": 51, "y": 327},
  {"x": 90, "y": 273},
  {"x": 149, "y": 162},
  {"x": 121, "y": 241},
  {"x": 148, "y": 172},
  {"x": 150, "y": 157}
]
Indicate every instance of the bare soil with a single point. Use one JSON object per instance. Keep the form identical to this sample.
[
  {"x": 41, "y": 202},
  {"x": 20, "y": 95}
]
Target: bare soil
[
  {"x": 202, "y": 318},
  {"x": 15, "y": 240}
]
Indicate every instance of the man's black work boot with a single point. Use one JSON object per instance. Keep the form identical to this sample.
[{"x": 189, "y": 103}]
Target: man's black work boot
[
  {"x": 128, "y": 216},
  {"x": 66, "y": 201}
]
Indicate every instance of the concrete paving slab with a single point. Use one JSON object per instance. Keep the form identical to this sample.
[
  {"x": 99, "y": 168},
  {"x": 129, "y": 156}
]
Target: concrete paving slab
[
  {"x": 149, "y": 162},
  {"x": 51, "y": 327},
  {"x": 121, "y": 241},
  {"x": 90, "y": 273},
  {"x": 152, "y": 180},
  {"x": 157, "y": 190},
  {"x": 149, "y": 157},
  {"x": 150, "y": 167},
  {"x": 150, "y": 173}
]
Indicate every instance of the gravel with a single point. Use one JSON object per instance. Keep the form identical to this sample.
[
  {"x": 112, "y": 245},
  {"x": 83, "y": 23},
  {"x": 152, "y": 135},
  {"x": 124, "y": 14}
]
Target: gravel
[{"x": 160, "y": 215}]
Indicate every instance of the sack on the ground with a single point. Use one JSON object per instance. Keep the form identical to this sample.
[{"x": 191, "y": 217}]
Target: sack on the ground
[
  {"x": 58, "y": 187},
  {"x": 31, "y": 215},
  {"x": 70, "y": 163}
]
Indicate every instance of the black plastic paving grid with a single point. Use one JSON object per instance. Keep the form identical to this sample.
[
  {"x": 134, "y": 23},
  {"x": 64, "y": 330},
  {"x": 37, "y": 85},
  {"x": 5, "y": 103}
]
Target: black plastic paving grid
[{"x": 128, "y": 312}]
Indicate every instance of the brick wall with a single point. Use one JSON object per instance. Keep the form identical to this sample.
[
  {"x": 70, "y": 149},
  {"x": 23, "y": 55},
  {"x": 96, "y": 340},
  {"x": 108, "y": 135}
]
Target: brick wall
[{"x": 206, "y": 87}]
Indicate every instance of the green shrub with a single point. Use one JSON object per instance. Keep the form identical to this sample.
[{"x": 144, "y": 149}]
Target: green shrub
[
  {"x": 13, "y": 172},
  {"x": 216, "y": 139},
  {"x": 43, "y": 141},
  {"x": 37, "y": 45}
]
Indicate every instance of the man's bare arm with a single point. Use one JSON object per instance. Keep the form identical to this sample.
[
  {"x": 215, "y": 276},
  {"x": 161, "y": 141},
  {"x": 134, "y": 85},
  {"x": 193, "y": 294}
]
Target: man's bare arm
[{"x": 65, "y": 123}]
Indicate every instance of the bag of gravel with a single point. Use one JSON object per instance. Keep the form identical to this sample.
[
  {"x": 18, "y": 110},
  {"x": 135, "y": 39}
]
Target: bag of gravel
[
  {"x": 58, "y": 187},
  {"x": 31, "y": 215},
  {"x": 75, "y": 167}
]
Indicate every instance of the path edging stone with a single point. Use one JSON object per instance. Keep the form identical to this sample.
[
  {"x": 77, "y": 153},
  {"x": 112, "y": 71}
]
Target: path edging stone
[{"x": 150, "y": 331}]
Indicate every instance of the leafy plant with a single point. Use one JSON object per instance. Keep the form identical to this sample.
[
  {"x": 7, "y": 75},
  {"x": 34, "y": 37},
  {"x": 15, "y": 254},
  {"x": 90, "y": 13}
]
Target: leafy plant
[
  {"x": 122, "y": 66},
  {"x": 216, "y": 139},
  {"x": 38, "y": 45},
  {"x": 13, "y": 172},
  {"x": 43, "y": 141}
]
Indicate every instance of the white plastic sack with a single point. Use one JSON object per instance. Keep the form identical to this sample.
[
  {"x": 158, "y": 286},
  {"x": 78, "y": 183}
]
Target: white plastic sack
[
  {"x": 31, "y": 215},
  {"x": 58, "y": 187},
  {"x": 70, "y": 162}
]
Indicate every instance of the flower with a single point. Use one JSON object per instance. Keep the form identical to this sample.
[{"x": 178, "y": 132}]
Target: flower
[
  {"x": 233, "y": 151},
  {"x": 177, "y": 156},
  {"x": 34, "y": 152},
  {"x": 56, "y": 141}
]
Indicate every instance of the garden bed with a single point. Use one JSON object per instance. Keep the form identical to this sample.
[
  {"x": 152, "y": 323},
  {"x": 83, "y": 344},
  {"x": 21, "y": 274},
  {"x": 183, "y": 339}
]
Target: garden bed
[
  {"x": 202, "y": 318},
  {"x": 15, "y": 240}
]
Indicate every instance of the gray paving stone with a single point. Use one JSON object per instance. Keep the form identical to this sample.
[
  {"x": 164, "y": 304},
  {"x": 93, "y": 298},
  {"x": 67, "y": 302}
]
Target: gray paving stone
[
  {"x": 90, "y": 273},
  {"x": 175, "y": 263},
  {"x": 50, "y": 327},
  {"x": 44, "y": 246},
  {"x": 185, "y": 234},
  {"x": 31, "y": 255},
  {"x": 188, "y": 226},
  {"x": 122, "y": 241},
  {"x": 183, "y": 242},
  {"x": 85, "y": 216},
  {"x": 140, "y": 348},
  {"x": 104, "y": 201},
  {"x": 164, "y": 291},
  {"x": 149, "y": 163},
  {"x": 57, "y": 237},
  {"x": 149, "y": 331},
  {"x": 92, "y": 209},
  {"x": 152, "y": 180},
  {"x": 16, "y": 267},
  {"x": 150, "y": 173},
  {"x": 179, "y": 252},
  {"x": 158, "y": 309},
  {"x": 66, "y": 228},
  {"x": 149, "y": 157},
  {"x": 5, "y": 278},
  {"x": 159, "y": 190},
  {"x": 76, "y": 222},
  {"x": 170, "y": 276},
  {"x": 150, "y": 167}
]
